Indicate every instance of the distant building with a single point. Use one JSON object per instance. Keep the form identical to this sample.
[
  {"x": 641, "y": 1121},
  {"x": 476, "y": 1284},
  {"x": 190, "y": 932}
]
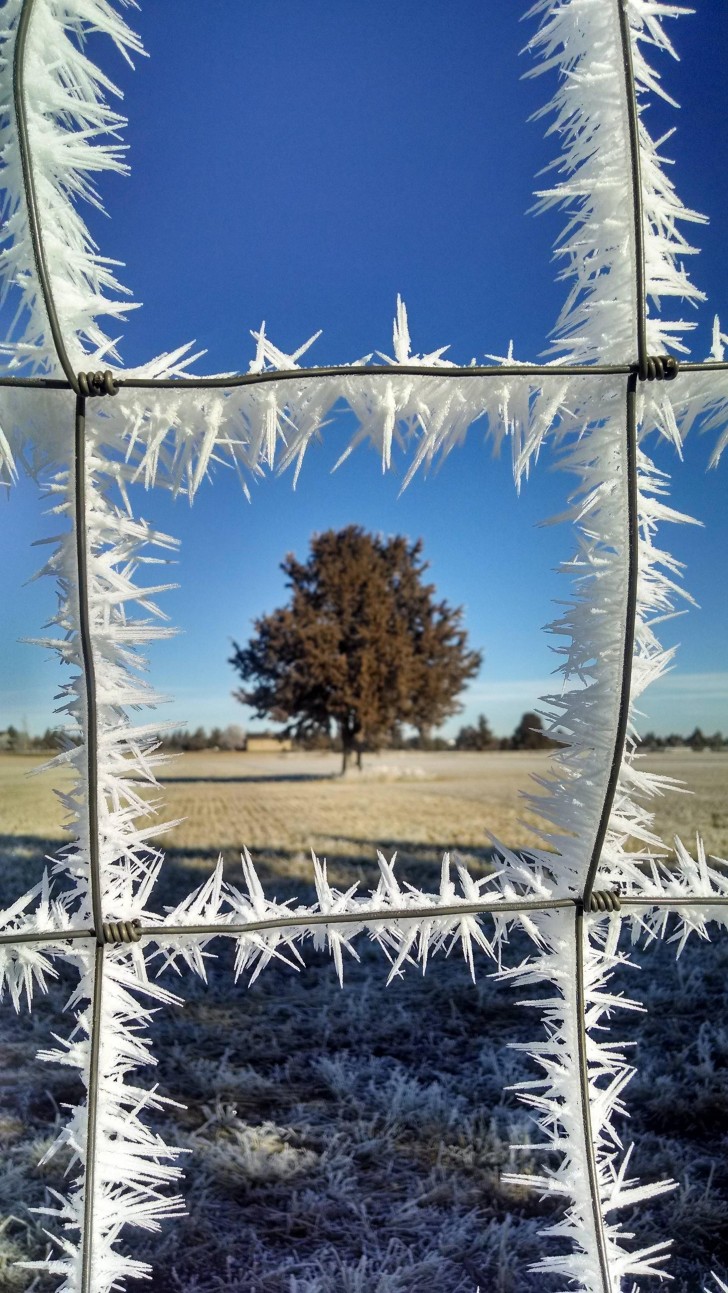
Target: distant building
[{"x": 264, "y": 743}]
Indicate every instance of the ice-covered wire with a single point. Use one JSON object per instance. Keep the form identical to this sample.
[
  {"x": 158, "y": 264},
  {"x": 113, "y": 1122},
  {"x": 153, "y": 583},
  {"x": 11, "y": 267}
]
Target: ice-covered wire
[
  {"x": 600, "y": 901},
  {"x": 31, "y": 199},
  {"x": 87, "y": 651},
  {"x": 88, "y": 385}
]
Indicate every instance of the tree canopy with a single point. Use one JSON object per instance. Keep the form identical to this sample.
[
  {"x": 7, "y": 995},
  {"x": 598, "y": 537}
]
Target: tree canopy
[{"x": 363, "y": 644}]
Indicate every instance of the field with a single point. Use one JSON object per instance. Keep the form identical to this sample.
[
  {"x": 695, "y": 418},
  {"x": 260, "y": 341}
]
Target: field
[
  {"x": 283, "y": 805},
  {"x": 354, "y": 1142}
]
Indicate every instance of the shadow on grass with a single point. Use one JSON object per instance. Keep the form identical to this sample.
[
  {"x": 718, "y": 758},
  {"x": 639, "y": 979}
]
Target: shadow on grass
[
  {"x": 249, "y": 780},
  {"x": 25, "y": 857},
  {"x": 358, "y": 1139},
  {"x": 287, "y": 874}
]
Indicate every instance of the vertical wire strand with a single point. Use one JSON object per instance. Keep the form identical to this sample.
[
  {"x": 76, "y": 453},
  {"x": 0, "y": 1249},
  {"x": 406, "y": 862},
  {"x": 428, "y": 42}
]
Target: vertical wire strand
[
  {"x": 630, "y": 90},
  {"x": 636, "y": 178},
  {"x": 31, "y": 197},
  {"x": 583, "y": 1064},
  {"x": 92, "y": 1118},
  {"x": 630, "y": 619},
  {"x": 89, "y": 668},
  {"x": 87, "y": 657},
  {"x": 631, "y": 444},
  {"x": 92, "y": 804}
]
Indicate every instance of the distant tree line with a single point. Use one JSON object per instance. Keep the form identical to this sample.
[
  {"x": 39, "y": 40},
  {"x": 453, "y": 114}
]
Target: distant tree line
[
  {"x": 20, "y": 742},
  {"x": 231, "y": 737},
  {"x": 54, "y": 740},
  {"x": 696, "y": 741},
  {"x": 529, "y": 734}
]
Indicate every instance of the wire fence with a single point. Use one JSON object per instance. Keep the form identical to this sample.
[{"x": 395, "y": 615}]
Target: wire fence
[{"x": 92, "y": 387}]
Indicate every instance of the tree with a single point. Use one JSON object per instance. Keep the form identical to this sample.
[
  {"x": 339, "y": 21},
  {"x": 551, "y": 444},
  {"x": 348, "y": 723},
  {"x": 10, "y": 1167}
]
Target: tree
[
  {"x": 529, "y": 735},
  {"x": 197, "y": 741},
  {"x": 362, "y": 645},
  {"x": 478, "y": 737},
  {"x": 232, "y": 738}
]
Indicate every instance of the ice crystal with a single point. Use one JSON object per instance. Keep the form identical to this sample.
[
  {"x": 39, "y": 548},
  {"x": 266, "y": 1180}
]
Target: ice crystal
[{"x": 172, "y": 438}]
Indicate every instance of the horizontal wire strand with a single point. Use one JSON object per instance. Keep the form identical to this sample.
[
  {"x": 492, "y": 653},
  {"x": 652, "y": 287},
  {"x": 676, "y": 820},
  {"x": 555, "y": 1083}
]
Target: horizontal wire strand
[
  {"x": 344, "y": 370},
  {"x": 377, "y": 916}
]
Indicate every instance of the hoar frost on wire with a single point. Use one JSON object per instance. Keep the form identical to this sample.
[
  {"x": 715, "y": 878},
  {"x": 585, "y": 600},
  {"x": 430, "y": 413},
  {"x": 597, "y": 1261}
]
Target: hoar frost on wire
[{"x": 174, "y": 437}]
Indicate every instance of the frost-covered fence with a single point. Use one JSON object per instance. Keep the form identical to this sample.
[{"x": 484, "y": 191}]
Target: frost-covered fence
[{"x": 67, "y": 406}]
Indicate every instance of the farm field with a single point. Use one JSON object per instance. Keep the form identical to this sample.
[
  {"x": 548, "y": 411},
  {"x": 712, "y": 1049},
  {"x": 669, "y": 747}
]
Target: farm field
[
  {"x": 357, "y": 1141},
  {"x": 283, "y": 805}
]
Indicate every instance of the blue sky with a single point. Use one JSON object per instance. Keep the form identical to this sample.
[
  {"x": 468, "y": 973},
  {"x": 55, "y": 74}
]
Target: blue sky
[{"x": 303, "y": 164}]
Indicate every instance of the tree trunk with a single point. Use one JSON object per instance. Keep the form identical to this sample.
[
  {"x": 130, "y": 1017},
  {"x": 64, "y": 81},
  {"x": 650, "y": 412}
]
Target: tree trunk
[
  {"x": 350, "y": 744},
  {"x": 347, "y": 745}
]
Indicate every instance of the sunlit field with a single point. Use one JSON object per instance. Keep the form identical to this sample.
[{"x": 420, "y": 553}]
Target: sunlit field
[
  {"x": 284, "y": 805},
  {"x": 356, "y": 1141}
]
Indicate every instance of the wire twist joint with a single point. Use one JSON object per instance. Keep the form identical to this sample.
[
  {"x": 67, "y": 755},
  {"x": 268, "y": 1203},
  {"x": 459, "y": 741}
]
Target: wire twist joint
[
  {"x": 604, "y": 900},
  {"x": 658, "y": 368},
  {"x": 121, "y": 931},
  {"x": 97, "y": 383}
]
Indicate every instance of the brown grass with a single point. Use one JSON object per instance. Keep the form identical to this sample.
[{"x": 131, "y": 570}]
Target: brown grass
[{"x": 282, "y": 806}]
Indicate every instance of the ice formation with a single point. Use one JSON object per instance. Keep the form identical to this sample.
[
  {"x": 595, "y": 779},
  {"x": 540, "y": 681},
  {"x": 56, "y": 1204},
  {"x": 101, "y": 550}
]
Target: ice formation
[{"x": 171, "y": 437}]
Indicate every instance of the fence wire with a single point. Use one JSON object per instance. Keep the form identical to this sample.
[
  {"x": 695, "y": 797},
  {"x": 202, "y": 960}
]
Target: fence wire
[{"x": 99, "y": 384}]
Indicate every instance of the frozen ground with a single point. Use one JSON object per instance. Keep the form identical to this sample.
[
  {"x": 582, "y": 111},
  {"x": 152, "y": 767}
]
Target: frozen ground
[{"x": 353, "y": 1141}]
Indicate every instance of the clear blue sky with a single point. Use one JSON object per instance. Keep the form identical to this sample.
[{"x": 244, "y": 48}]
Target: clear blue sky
[{"x": 302, "y": 164}]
